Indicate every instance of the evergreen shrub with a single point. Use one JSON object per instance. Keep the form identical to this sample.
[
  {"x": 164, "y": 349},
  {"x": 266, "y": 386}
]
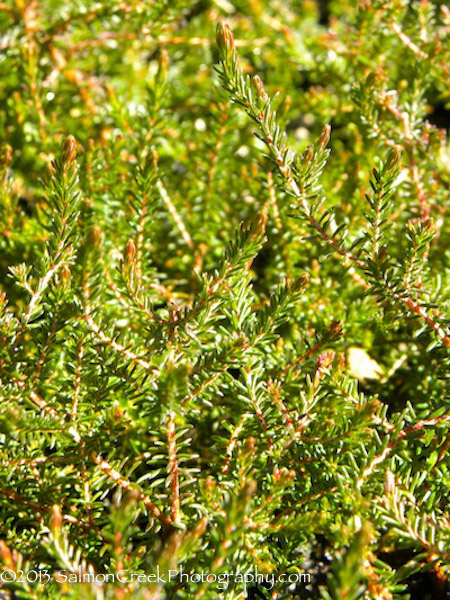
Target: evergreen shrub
[{"x": 221, "y": 352}]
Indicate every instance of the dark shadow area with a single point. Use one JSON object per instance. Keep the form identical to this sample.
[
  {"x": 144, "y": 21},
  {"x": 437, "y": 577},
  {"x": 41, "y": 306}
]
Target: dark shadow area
[{"x": 440, "y": 117}]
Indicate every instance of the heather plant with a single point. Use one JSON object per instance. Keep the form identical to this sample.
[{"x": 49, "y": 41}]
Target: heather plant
[{"x": 224, "y": 324}]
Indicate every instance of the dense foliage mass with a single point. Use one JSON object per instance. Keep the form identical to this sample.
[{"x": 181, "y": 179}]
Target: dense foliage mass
[{"x": 223, "y": 353}]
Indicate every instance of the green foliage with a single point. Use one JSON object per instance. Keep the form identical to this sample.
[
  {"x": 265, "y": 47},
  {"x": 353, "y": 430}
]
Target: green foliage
[{"x": 224, "y": 326}]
